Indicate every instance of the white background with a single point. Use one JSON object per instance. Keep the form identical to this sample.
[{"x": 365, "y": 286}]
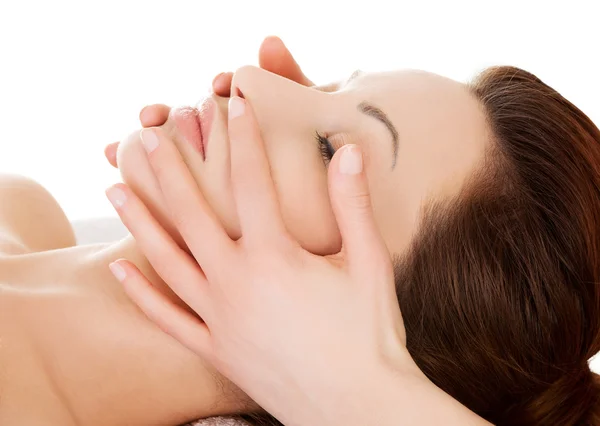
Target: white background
[{"x": 74, "y": 75}]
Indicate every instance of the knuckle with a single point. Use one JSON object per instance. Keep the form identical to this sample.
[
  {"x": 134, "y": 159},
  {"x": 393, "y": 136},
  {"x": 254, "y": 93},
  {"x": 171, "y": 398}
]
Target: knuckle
[
  {"x": 161, "y": 171},
  {"x": 161, "y": 259},
  {"x": 185, "y": 223},
  {"x": 360, "y": 200}
]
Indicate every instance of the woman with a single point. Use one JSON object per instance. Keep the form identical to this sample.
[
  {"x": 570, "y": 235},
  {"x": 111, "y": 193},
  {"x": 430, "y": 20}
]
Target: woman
[{"x": 487, "y": 193}]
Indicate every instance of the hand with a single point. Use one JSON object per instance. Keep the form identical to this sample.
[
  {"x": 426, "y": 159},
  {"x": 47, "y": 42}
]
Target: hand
[
  {"x": 273, "y": 56},
  {"x": 300, "y": 333}
]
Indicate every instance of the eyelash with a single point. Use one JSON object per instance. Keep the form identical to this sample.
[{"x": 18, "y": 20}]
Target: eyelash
[{"x": 325, "y": 148}]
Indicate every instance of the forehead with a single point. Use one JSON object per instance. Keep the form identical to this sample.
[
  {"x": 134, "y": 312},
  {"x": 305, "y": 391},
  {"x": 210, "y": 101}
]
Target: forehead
[
  {"x": 423, "y": 102},
  {"x": 408, "y": 84},
  {"x": 442, "y": 132}
]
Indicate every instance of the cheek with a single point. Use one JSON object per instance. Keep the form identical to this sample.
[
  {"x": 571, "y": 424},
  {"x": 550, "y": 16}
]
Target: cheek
[
  {"x": 396, "y": 199},
  {"x": 307, "y": 211}
]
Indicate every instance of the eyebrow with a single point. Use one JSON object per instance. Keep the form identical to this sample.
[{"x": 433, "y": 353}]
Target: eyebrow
[{"x": 373, "y": 111}]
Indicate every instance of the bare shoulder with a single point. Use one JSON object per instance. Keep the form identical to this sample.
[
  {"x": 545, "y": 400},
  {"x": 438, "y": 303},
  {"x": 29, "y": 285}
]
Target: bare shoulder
[{"x": 31, "y": 220}]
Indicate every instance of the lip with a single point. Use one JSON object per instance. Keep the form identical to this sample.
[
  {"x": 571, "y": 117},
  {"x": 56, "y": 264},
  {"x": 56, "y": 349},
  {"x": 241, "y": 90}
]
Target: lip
[
  {"x": 187, "y": 120},
  {"x": 206, "y": 115}
]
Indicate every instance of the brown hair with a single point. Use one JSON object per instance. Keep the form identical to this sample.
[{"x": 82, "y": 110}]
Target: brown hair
[{"x": 499, "y": 289}]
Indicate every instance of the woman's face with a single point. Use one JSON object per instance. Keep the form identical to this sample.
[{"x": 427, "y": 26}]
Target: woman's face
[{"x": 421, "y": 135}]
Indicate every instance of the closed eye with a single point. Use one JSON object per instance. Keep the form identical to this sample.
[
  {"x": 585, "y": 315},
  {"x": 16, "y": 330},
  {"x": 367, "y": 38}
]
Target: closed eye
[{"x": 325, "y": 148}]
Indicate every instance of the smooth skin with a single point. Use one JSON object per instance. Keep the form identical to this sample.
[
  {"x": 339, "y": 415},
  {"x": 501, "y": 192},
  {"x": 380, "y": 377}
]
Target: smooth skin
[
  {"x": 382, "y": 387},
  {"x": 66, "y": 324},
  {"x": 265, "y": 288}
]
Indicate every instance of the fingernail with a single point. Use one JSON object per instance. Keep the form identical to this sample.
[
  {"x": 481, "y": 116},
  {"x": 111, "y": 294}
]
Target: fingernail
[
  {"x": 236, "y": 107},
  {"x": 149, "y": 140},
  {"x": 117, "y": 270},
  {"x": 351, "y": 161},
  {"x": 116, "y": 196}
]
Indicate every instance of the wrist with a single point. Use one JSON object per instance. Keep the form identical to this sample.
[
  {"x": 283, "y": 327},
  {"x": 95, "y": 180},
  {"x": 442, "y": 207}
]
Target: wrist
[
  {"x": 400, "y": 393},
  {"x": 409, "y": 397}
]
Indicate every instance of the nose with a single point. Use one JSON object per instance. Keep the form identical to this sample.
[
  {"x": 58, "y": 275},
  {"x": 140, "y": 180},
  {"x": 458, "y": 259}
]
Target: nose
[{"x": 280, "y": 104}]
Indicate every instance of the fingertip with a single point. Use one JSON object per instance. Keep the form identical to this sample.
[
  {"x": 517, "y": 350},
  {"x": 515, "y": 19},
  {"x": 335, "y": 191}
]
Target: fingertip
[
  {"x": 118, "y": 270},
  {"x": 346, "y": 167},
  {"x": 271, "y": 42},
  {"x": 117, "y": 195},
  {"x": 154, "y": 115},
  {"x": 135, "y": 284},
  {"x": 110, "y": 152},
  {"x": 143, "y": 112},
  {"x": 216, "y": 80},
  {"x": 150, "y": 137},
  {"x": 237, "y": 107},
  {"x": 222, "y": 84},
  {"x": 274, "y": 56},
  {"x": 350, "y": 160},
  {"x": 133, "y": 281}
]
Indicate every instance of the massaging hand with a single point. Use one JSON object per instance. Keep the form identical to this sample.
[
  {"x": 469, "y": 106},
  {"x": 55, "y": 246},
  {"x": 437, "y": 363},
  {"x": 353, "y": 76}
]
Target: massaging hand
[
  {"x": 296, "y": 331},
  {"x": 273, "y": 56},
  {"x": 315, "y": 340}
]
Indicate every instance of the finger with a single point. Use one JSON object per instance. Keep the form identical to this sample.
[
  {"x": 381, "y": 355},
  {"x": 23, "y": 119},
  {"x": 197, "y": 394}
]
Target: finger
[
  {"x": 110, "y": 152},
  {"x": 349, "y": 192},
  {"x": 169, "y": 261},
  {"x": 222, "y": 84},
  {"x": 191, "y": 214},
  {"x": 172, "y": 319},
  {"x": 154, "y": 115},
  {"x": 275, "y": 57},
  {"x": 253, "y": 188}
]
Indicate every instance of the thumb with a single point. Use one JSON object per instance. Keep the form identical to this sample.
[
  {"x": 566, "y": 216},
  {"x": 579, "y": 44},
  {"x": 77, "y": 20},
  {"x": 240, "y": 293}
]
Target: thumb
[
  {"x": 362, "y": 243},
  {"x": 275, "y": 57}
]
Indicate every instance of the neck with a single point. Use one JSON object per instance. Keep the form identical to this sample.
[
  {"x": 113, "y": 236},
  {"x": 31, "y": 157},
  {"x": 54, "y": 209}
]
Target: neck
[
  {"x": 127, "y": 248},
  {"x": 99, "y": 350}
]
